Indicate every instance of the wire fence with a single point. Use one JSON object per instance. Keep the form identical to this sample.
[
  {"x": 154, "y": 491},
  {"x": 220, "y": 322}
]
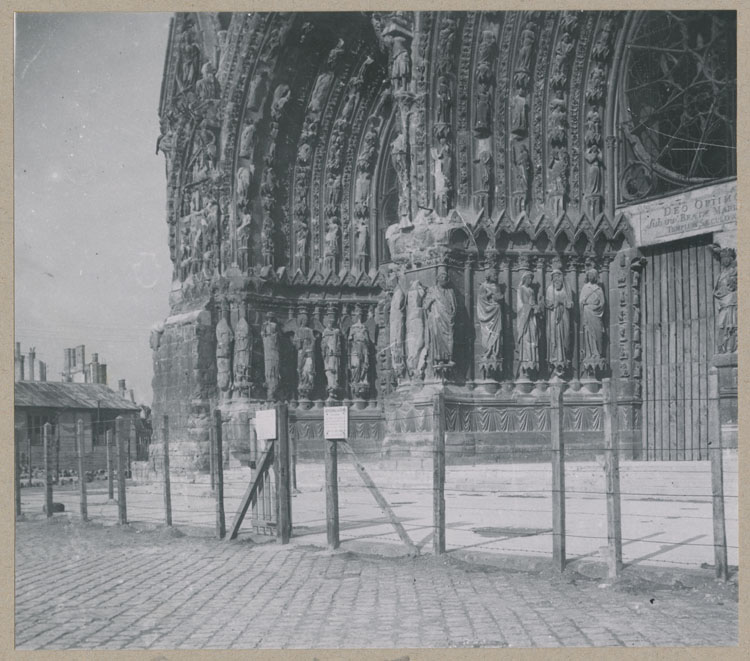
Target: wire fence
[{"x": 543, "y": 502}]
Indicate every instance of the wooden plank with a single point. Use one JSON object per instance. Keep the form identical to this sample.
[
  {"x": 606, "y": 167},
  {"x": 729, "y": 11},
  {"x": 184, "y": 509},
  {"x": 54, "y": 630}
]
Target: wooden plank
[
  {"x": 251, "y": 493},
  {"x": 650, "y": 285},
  {"x": 691, "y": 346},
  {"x": 81, "y": 472},
  {"x": 686, "y": 355},
  {"x": 672, "y": 339},
  {"x": 438, "y": 473},
  {"x": 702, "y": 366},
  {"x": 717, "y": 476},
  {"x": 332, "y": 494},
  {"x": 167, "y": 478},
  {"x": 661, "y": 392},
  {"x": 283, "y": 482},
  {"x": 558, "y": 478},
  {"x": 679, "y": 386},
  {"x": 379, "y": 498},
  {"x": 110, "y": 467},
  {"x": 612, "y": 478}
]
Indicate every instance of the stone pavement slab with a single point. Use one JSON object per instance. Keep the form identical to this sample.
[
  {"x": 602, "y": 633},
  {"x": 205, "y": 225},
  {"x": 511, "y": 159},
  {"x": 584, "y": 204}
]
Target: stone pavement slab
[{"x": 83, "y": 586}]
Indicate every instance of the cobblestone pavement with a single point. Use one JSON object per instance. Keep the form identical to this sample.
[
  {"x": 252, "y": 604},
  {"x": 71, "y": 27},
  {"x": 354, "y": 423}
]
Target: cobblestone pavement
[{"x": 90, "y": 586}]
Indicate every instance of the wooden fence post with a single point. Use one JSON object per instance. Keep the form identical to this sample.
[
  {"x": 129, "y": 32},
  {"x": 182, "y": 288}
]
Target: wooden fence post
[
  {"x": 332, "y": 493},
  {"x": 81, "y": 471},
  {"x": 28, "y": 454},
  {"x": 612, "y": 476},
  {"x": 558, "y": 477},
  {"x": 212, "y": 455},
  {"x": 283, "y": 490},
  {"x": 717, "y": 475},
  {"x": 110, "y": 469},
  {"x": 167, "y": 485},
  {"x": 221, "y": 528},
  {"x": 122, "y": 510},
  {"x": 47, "y": 469},
  {"x": 17, "y": 467},
  {"x": 438, "y": 473}
]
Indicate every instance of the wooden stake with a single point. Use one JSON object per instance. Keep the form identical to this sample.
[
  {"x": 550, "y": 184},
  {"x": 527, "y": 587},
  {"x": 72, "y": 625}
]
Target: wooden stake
[
  {"x": 167, "y": 485},
  {"x": 558, "y": 478},
  {"x": 332, "y": 494},
  {"x": 47, "y": 431},
  {"x": 28, "y": 453},
  {"x": 221, "y": 528},
  {"x": 612, "y": 473},
  {"x": 717, "y": 475},
  {"x": 122, "y": 509},
  {"x": 438, "y": 473},
  {"x": 81, "y": 472},
  {"x": 212, "y": 455},
  {"x": 17, "y": 464},
  {"x": 283, "y": 485},
  {"x": 110, "y": 468},
  {"x": 380, "y": 499}
]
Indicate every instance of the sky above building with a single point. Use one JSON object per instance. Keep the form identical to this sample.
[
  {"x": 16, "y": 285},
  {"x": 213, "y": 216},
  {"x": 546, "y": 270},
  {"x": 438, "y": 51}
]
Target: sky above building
[{"x": 91, "y": 253}]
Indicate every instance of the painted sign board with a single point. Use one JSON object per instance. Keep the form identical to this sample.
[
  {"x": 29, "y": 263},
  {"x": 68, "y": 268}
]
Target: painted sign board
[
  {"x": 336, "y": 422},
  {"x": 265, "y": 425},
  {"x": 693, "y": 212}
]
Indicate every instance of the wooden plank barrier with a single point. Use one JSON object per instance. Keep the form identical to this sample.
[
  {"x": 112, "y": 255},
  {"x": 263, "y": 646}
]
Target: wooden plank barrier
[
  {"x": 438, "y": 473},
  {"x": 167, "y": 483},
  {"x": 81, "y": 472},
  {"x": 558, "y": 477},
  {"x": 612, "y": 477}
]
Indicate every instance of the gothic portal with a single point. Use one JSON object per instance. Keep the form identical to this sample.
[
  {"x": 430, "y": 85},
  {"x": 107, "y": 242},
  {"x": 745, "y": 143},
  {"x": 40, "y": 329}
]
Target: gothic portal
[{"x": 366, "y": 207}]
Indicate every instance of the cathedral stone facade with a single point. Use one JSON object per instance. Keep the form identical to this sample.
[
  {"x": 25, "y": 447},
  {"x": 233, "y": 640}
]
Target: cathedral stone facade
[{"x": 365, "y": 208}]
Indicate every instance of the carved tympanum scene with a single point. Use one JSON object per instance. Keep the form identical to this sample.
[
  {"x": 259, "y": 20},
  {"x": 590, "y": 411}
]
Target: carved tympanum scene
[{"x": 364, "y": 208}]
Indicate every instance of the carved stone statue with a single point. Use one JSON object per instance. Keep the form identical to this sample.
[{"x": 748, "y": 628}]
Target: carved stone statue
[
  {"x": 401, "y": 63},
  {"x": 443, "y": 165},
  {"x": 483, "y": 110},
  {"x": 440, "y": 308},
  {"x": 257, "y": 92},
  {"x": 244, "y": 177},
  {"x": 359, "y": 355},
  {"x": 332, "y": 247},
  {"x": 528, "y": 38},
  {"x": 519, "y": 114},
  {"x": 415, "y": 333},
  {"x": 247, "y": 140},
  {"x": 304, "y": 341},
  {"x": 443, "y": 114},
  {"x": 331, "y": 347},
  {"x": 320, "y": 91},
  {"x": 270, "y": 333},
  {"x": 594, "y": 179},
  {"x": 725, "y": 293},
  {"x": 490, "y": 318},
  {"x": 397, "y": 314},
  {"x": 592, "y": 321},
  {"x": 558, "y": 301},
  {"x": 527, "y": 333},
  {"x": 362, "y": 246},
  {"x": 244, "y": 237},
  {"x": 207, "y": 88},
  {"x": 242, "y": 353},
  {"x": 300, "y": 246},
  {"x": 189, "y": 64},
  {"x": 401, "y": 164},
  {"x": 281, "y": 97},
  {"x": 224, "y": 340}
]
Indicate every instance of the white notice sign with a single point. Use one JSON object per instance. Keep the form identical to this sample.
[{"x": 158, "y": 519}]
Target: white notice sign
[
  {"x": 336, "y": 422},
  {"x": 265, "y": 425}
]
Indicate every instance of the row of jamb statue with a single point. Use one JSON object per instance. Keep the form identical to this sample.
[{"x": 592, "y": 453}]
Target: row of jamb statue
[{"x": 422, "y": 324}]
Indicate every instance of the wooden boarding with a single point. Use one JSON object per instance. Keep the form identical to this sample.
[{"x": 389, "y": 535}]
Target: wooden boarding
[
  {"x": 265, "y": 463},
  {"x": 382, "y": 502}
]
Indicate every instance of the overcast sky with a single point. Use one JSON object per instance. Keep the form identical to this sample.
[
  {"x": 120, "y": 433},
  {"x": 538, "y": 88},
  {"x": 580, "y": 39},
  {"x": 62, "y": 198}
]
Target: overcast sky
[{"x": 91, "y": 255}]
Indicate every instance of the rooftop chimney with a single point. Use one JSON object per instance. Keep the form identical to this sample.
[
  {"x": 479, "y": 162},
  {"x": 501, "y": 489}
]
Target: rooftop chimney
[
  {"x": 32, "y": 359},
  {"x": 42, "y": 371},
  {"x": 18, "y": 362}
]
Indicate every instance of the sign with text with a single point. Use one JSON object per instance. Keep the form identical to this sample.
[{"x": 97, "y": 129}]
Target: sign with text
[
  {"x": 693, "y": 212},
  {"x": 265, "y": 425},
  {"x": 336, "y": 422}
]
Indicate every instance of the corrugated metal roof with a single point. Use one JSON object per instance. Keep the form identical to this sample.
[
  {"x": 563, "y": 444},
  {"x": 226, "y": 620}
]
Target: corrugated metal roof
[{"x": 58, "y": 395}]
